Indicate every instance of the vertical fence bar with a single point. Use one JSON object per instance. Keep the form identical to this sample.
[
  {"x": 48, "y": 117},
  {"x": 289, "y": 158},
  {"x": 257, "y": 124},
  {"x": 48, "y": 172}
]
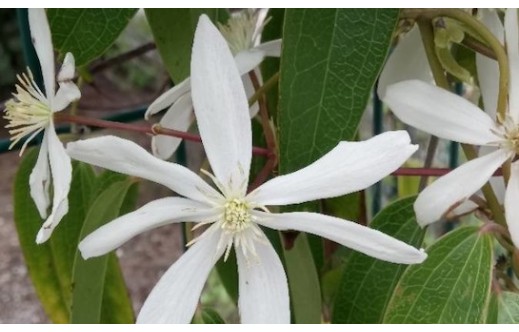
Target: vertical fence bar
[{"x": 378, "y": 127}]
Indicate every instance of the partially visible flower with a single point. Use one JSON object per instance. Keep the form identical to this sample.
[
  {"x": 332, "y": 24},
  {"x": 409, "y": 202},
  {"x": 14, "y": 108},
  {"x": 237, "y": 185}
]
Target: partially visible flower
[
  {"x": 31, "y": 111},
  {"x": 242, "y": 33},
  {"x": 407, "y": 61},
  {"x": 234, "y": 216},
  {"x": 449, "y": 116}
]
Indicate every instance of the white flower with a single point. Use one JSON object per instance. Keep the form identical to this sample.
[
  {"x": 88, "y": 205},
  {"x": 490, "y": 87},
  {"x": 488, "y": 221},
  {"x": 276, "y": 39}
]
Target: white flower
[
  {"x": 242, "y": 33},
  {"x": 31, "y": 112},
  {"x": 449, "y": 116},
  {"x": 407, "y": 61},
  {"x": 234, "y": 216}
]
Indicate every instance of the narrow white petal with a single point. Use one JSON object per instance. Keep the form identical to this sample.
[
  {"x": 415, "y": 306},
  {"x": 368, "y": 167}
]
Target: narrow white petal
[
  {"x": 175, "y": 297},
  {"x": 271, "y": 48},
  {"x": 488, "y": 69},
  {"x": 455, "y": 187},
  {"x": 169, "y": 97},
  {"x": 154, "y": 214},
  {"x": 61, "y": 169},
  {"x": 67, "y": 93},
  {"x": 248, "y": 60},
  {"x": 179, "y": 116},
  {"x": 126, "y": 157},
  {"x": 512, "y": 48},
  {"x": 263, "y": 287},
  {"x": 349, "y": 167},
  {"x": 221, "y": 107},
  {"x": 512, "y": 204},
  {"x": 352, "y": 235},
  {"x": 68, "y": 68},
  {"x": 497, "y": 182},
  {"x": 407, "y": 61},
  {"x": 41, "y": 38},
  {"x": 40, "y": 178},
  {"x": 440, "y": 112}
]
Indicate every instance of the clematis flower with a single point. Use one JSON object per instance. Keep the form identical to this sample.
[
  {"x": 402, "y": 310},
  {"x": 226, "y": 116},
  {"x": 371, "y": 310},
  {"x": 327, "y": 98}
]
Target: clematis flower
[
  {"x": 242, "y": 33},
  {"x": 234, "y": 217},
  {"x": 449, "y": 116},
  {"x": 31, "y": 111}
]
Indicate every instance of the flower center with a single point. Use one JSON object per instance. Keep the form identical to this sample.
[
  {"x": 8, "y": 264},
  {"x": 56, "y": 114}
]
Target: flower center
[
  {"x": 237, "y": 215},
  {"x": 28, "y": 112},
  {"x": 241, "y": 31},
  {"x": 511, "y": 135}
]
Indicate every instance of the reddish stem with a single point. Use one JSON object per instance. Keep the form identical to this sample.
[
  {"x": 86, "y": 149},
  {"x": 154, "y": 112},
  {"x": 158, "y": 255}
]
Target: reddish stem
[
  {"x": 405, "y": 171},
  {"x": 152, "y": 130}
]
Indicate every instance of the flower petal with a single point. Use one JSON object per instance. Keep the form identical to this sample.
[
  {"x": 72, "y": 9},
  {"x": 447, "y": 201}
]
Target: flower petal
[
  {"x": 349, "y": 167},
  {"x": 154, "y": 214},
  {"x": 41, "y": 38},
  {"x": 512, "y": 48},
  {"x": 179, "y": 116},
  {"x": 221, "y": 107},
  {"x": 511, "y": 206},
  {"x": 352, "y": 235},
  {"x": 169, "y": 97},
  {"x": 263, "y": 287},
  {"x": 67, "y": 93},
  {"x": 248, "y": 60},
  {"x": 488, "y": 69},
  {"x": 440, "y": 113},
  {"x": 175, "y": 297},
  {"x": 406, "y": 62},
  {"x": 271, "y": 48},
  {"x": 68, "y": 68},
  {"x": 40, "y": 178},
  {"x": 61, "y": 168},
  {"x": 452, "y": 189},
  {"x": 126, "y": 157}
]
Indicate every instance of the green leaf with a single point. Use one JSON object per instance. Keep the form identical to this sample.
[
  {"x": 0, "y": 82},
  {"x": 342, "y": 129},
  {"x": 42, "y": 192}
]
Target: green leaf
[
  {"x": 368, "y": 283},
  {"x": 208, "y": 316},
  {"x": 452, "y": 285},
  {"x": 65, "y": 238},
  {"x": 38, "y": 258},
  {"x": 228, "y": 273},
  {"x": 270, "y": 66},
  {"x": 173, "y": 30},
  {"x": 303, "y": 282},
  {"x": 508, "y": 308},
  {"x": 89, "y": 276},
  {"x": 116, "y": 305},
  {"x": 492, "y": 310},
  {"x": 331, "y": 59},
  {"x": 87, "y": 33}
]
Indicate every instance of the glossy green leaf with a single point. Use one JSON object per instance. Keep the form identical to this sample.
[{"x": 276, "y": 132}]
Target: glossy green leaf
[
  {"x": 65, "y": 238},
  {"x": 368, "y": 283},
  {"x": 87, "y": 33},
  {"x": 173, "y": 30},
  {"x": 210, "y": 316},
  {"x": 303, "y": 282},
  {"x": 270, "y": 66},
  {"x": 228, "y": 273},
  {"x": 329, "y": 64},
  {"x": 492, "y": 310},
  {"x": 508, "y": 308},
  {"x": 89, "y": 276},
  {"x": 451, "y": 286},
  {"x": 38, "y": 258}
]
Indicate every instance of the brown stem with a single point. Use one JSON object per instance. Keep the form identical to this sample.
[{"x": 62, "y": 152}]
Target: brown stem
[
  {"x": 116, "y": 60},
  {"x": 263, "y": 175},
  {"x": 152, "y": 130},
  {"x": 264, "y": 115},
  {"x": 475, "y": 45}
]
